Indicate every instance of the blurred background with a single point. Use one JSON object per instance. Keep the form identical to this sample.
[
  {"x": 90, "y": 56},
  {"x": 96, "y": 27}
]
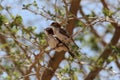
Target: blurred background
[{"x": 25, "y": 54}]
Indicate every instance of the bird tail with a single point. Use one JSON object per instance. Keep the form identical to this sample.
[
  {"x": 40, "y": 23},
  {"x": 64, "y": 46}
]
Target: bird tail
[
  {"x": 69, "y": 51},
  {"x": 71, "y": 54}
]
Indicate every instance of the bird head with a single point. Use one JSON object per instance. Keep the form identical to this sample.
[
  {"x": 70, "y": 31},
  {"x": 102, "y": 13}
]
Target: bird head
[
  {"x": 55, "y": 24},
  {"x": 49, "y": 31}
]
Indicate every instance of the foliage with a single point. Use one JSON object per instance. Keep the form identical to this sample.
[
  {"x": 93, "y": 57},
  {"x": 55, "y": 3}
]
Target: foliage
[{"x": 25, "y": 54}]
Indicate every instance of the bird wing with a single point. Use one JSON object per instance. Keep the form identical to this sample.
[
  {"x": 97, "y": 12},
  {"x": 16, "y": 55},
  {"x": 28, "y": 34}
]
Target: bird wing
[
  {"x": 58, "y": 39},
  {"x": 62, "y": 46},
  {"x": 62, "y": 31},
  {"x": 60, "y": 42}
]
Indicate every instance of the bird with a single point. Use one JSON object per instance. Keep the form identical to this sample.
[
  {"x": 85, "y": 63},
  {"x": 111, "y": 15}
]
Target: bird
[
  {"x": 55, "y": 43},
  {"x": 62, "y": 34},
  {"x": 52, "y": 41}
]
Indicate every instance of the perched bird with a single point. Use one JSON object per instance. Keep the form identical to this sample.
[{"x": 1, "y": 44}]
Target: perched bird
[
  {"x": 55, "y": 43},
  {"x": 62, "y": 34},
  {"x": 52, "y": 41}
]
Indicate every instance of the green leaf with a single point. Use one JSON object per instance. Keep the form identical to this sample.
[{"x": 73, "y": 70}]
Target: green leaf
[
  {"x": 18, "y": 20},
  {"x": 7, "y": 78},
  {"x": 115, "y": 49},
  {"x": 35, "y": 3},
  {"x": 92, "y": 14},
  {"x": 42, "y": 38},
  {"x": 16, "y": 74},
  {"x": 110, "y": 28},
  {"x": 80, "y": 23},
  {"x": 41, "y": 35},
  {"x": 31, "y": 28},
  {"x": 99, "y": 63},
  {"x": 1, "y": 7},
  {"x": 26, "y": 6},
  {"x": 91, "y": 68},
  {"x": 75, "y": 77},
  {"x": 3, "y": 45},
  {"x": 107, "y": 12},
  {"x": 3, "y": 20},
  {"x": 14, "y": 30},
  {"x": 42, "y": 42},
  {"x": 65, "y": 70},
  {"x": 110, "y": 58}
]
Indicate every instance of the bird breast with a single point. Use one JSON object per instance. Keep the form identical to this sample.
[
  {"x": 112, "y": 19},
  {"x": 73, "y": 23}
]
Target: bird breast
[{"x": 52, "y": 41}]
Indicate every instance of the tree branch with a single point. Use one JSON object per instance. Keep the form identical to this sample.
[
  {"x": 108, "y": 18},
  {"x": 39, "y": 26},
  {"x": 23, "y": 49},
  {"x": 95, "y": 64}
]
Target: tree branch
[
  {"x": 73, "y": 10},
  {"x": 91, "y": 26},
  {"x": 58, "y": 57},
  {"x": 107, "y": 52},
  {"x": 7, "y": 48}
]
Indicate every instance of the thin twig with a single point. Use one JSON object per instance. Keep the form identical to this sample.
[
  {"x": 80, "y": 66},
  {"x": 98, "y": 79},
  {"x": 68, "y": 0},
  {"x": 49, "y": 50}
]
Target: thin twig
[{"x": 27, "y": 75}]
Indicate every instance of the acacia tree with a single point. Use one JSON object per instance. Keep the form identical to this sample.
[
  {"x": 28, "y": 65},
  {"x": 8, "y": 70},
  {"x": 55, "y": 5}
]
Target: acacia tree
[{"x": 25, "y": 55}]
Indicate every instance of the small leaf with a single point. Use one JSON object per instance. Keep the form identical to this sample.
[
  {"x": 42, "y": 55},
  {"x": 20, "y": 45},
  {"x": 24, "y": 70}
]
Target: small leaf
[
  {"x": 35, "y": 3},
  {"x": 18, "y": 20},
  {"x": 3, "y": 45},
  {"x": 99, "y": 63},
  {"x": 66, "y": 69},
  {"x": 80, "y": 23},
  {"x": 110, "y": 59},
  {"x": 14, "y": 30},
  {"x": 3, "y": 20},
  {"x": 1, "y": 8},
  {"x": 75, "y": 77},
  {"x": 26, "y": 6},
  {"x": 107, "y": 12},
  {"x": 92, "y": 14},
  {"x": 31, "y": 28}
]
